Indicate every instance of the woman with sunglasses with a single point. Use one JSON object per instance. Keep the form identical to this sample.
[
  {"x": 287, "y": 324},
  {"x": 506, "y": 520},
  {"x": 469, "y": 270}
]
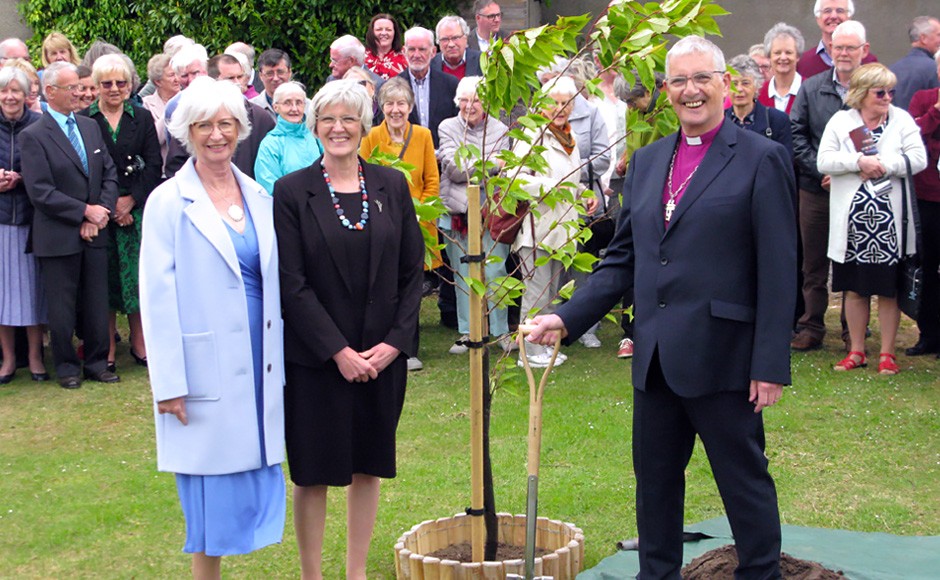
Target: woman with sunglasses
[
  {"x": 132, "y": 141},
  {"x": 863, "y": 150}
]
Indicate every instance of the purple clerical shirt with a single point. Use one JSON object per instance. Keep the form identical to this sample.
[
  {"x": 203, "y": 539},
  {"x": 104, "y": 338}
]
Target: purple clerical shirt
[{"x": 690, "y": 153}]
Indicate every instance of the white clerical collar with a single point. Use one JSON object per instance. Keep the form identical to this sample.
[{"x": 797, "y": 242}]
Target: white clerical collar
[{"x": 692, "y": 140}]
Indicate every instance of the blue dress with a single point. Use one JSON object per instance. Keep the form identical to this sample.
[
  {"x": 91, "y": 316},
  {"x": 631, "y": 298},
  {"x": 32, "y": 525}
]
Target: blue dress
[{"x": 238, "y": 513}]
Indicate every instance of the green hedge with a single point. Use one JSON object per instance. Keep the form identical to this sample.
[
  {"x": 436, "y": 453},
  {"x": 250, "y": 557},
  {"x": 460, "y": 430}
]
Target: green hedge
[{"x": 303, "y": 29}]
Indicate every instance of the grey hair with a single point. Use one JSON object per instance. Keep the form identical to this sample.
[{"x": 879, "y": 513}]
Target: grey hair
[
  {"x": 288, "y": 88},
  {"x": 188, "y": 55},
  {"x": 201, "y": 101},
  {"x": 466, "y": 88},
  {"x": 479, "y": 5},
  {"x": 817, "y": 8},
  {"x": 9, "y": 42},
  {"x": 557, "y": 67},
  {"x": 350, "y": 47},
  {"x": 451, "y": 19},
  {"x": 920, "y": 25},
  {"x": 175, "y": 43},
  {"x": 156, "y": 65},
  {"x": 745, "y": 66},
  {"x": 244, "y": 49},
  {"x": 758, "y": 48},
  {"x": 347, "y": 93},
  {"x": 110, "y": 63},
  {"x": 396, "y": 87},
  {"x": 419, "y": 32},
  {"x": 784, "y": 29},
  {"x": 850, "y": 28},
  {"x": 582, "y": 70},
  {"x": 696, "y": 45},
  {"x": 51, "y": 75},
  {"x": 9, "y": 74},
  {"x": 561, "y": 85}
]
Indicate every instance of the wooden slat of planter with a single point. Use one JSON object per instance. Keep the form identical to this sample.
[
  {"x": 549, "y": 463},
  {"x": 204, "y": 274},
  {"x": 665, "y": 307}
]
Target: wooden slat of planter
[
  {"x": 538, "y": 567},
  {"x": 431, "y": 568},
  {"x": 450, "y": 570},
  {"x": 403, "y": 563},
  {"x": 415, "y": 563},
  {"x": 441, "y": 533},
  {"x": 493, "y": 571},
  {"x": 518, "y": 531},
  {"x": 550, "y": 566},
  {"x": 564, "y": 564},
  {"x": 505, "y": 527},
  {"x": 577, "y": 556},
  {"x": 472, "y": 571},
  {"x": 514, "y": 567}
]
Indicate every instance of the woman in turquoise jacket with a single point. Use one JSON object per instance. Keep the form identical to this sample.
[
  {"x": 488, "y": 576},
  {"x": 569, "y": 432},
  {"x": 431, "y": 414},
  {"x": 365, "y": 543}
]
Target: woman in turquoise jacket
[{"x": 290, "y": 145}]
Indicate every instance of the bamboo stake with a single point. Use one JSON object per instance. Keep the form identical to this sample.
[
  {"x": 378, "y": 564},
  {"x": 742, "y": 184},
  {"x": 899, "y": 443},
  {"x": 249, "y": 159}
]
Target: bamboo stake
[{"x": 474, "y": 248}]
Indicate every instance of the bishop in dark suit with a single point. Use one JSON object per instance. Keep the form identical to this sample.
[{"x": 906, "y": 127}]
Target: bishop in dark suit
[
  {"x": 707, "y": 240},
  {"x": 72, "y": 183}
]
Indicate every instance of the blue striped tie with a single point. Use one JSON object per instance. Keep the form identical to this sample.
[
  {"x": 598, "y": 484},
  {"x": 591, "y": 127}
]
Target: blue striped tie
[{"x": 73, "y": 139}]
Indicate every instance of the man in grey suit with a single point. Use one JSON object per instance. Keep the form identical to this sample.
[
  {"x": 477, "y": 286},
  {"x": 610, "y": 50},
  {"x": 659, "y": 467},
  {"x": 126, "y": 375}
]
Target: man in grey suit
[
  {"x": 72, "y": 183},
  {"x": 455, "y": 58}
]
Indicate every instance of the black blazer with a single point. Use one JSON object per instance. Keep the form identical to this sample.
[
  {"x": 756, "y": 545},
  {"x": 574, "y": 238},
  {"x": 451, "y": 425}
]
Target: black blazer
[
  {"x": 442, "y": 91},
  {"x": 59, "y": 188},
  {"x": 715, "y": 292},
  {"x": 137, "y": 137},
  {"x": 472, "y": 56},
  {"x": 315, "y": 289},
  {"x": 246, "y": 153}
]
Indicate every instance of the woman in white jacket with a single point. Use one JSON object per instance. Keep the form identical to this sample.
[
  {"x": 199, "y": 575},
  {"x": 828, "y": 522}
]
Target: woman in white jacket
[{"x": 863, "y": 150}]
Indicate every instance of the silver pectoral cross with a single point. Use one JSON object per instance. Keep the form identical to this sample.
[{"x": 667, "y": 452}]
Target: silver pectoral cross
[{"x": 670, "y": 207}]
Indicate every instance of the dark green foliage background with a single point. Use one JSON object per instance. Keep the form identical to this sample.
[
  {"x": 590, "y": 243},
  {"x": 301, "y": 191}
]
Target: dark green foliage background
[{"x": 303, "y": 29}]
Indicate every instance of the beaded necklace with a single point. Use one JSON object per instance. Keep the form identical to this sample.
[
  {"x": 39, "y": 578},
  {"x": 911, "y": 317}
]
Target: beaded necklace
[{"x": 364, "y": 216}]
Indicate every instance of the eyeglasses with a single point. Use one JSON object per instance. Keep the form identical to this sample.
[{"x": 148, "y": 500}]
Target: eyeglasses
[
  {"x": 69, "y": 88},
  {"x": 281, "y": 73},
  {"x": 109, "y": 84},
  {"x": 880, "y": 93},
  {"x": 291, "y": 103},
  {"x": 491, "y": 17},
  {"x": 743, "y": 83},
  {"x": 764, "y": 67},
  {"x": 346, "y": 120},
  {"x": 831, "y": 11},
  {"x": 700, "y": 79},
  {"x": 205, "y": 128},
  {"x": 846, "y": 48},
  {"x": 448, "y": 39}
]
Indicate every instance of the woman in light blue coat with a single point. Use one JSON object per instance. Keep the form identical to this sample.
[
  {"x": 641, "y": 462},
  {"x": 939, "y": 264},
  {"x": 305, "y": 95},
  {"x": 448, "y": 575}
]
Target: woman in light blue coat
[
  {"x": 290, "y": 145},
  {"x": 210, "y": 305}
]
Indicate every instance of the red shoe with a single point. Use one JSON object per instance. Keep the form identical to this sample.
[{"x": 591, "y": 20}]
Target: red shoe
[
  {"x": 626, "y": 348},
  {"x": 854, "y": 360},
  {"x": 888, "y": 364}
]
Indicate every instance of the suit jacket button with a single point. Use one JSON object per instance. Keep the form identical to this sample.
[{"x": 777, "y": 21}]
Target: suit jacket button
[
  {"x": 663, "y": 261},
  {"x": 269, "y": 367},
  {"x": 662, "y": 304},
  {"x": 269, "y": 324}
]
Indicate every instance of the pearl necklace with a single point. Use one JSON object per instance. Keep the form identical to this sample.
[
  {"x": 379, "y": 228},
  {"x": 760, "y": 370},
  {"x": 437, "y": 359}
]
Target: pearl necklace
[
  {"x": 364, "y": 216},
  {"x": 673, "y": 193}
]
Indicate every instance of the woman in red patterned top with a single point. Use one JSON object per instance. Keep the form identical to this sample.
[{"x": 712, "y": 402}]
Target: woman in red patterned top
[{"x": 383, "y": 47}]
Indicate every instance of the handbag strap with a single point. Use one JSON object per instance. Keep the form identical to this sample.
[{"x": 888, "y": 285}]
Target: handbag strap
[
  {"x": 404, "y": 147},
  {"x": 907, "y": 187}
]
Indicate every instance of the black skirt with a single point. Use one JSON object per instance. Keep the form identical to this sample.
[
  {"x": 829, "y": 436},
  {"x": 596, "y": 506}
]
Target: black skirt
[{"x": 871, "y": 258}]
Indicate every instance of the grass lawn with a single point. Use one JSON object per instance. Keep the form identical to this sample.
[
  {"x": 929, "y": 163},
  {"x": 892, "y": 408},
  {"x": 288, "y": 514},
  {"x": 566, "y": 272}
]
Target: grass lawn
[{"x": 80, "y": 496}]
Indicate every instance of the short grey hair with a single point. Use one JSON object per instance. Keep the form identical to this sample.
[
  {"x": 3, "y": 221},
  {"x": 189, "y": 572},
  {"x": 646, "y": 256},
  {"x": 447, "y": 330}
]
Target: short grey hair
[
  {"x": 10, "y": 42},
  {"x": 745, "y": 66},
  {"x": 347, "y": 93},
  {"x": 561, "y": 85},
  {"x": 201, "y": 101},
  {"x": 350, "y": 47},
  {"x": 558, "y": 66},
  {"x": 696, "y": 45},
  {"x": 244, "y": 49},
  {"x": 396, "y": 87},
  {"x": 175, "y": 43},
  {"x": 419, "y": 32},
  {"x": 920, "y": 25},
  {"x": 451, "y": 19},
  {"x": 156, "y": 66},
  {"x": 288, "y": 88},
  {"x": 50, "y": 76},
  {"x": 817, "y": 8},
  {"x": 783, "y": 29},
  {"x": 850, "y": 28},
  {"x": 188, "y": 55},
  {"x": 467, "y": 88},
  {"x": 9, "y": 74},
  {"x": 108, "y": 64}
]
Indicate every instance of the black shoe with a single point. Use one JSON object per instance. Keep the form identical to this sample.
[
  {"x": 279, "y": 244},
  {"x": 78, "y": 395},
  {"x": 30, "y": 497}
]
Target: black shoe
[
  {"x": 111, "y": 367},
  {"x": 70, "y": 382},
  {"x": 141, "y": 360},
  {"x": 104, "y": 376},
  {"x": 40, "y": 377},
  {"x": 6, "y": 379},
  {"x": 921, "y": 348}
]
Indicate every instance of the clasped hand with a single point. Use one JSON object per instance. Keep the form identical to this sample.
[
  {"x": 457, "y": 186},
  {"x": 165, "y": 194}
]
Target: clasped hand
[
  {"x": 97, "y": 215},
  {"x": 870, "y": 167},
  {"x": 360, "y": 367}
]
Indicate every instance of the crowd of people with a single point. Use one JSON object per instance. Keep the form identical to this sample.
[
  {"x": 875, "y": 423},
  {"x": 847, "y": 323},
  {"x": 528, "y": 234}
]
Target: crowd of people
[{"x": 233, "y": 216}]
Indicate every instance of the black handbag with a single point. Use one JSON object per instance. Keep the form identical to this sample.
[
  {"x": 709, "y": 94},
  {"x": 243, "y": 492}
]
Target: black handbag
[{"x": 910, "y": 271}]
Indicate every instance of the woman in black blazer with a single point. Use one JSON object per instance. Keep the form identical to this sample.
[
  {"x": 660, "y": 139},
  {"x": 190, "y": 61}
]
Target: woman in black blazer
[
  {"x": 131, "y": 137},
  {"x": 748, "y": 113},
  {"x": 351, "y": 256}
]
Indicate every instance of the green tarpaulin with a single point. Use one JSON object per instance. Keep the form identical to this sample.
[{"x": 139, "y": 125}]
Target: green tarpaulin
[{"x": 859, "y": 555}]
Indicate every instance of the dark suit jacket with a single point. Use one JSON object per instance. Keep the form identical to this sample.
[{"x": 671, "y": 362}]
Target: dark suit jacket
[
  {"x": 714, "y": 294},
  {"x": 59, "y": 188},
  {"x": 811, "y": 64},
  {"x": 246, "y": 153},
  {"x": 472, "y": 56},
  {"x": 442, "y": 91},
  {"x": 315, "y": 287},
  {"x": 137, "y": 136}
]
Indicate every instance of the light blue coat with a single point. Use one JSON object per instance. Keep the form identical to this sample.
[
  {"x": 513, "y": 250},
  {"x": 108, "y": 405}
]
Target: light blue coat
[
  {"x": 194, "y": 312},
  {"x": 285, "y": 149}
]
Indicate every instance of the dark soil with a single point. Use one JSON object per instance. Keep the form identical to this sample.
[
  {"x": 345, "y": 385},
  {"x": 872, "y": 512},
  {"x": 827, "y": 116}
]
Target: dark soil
[
  {"x": 719, "y": 564},
  {"x": 464, "y": 552}
]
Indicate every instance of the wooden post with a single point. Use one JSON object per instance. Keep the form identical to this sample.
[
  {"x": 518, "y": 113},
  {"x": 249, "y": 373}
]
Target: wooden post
[{"x": 474, "y": 248}]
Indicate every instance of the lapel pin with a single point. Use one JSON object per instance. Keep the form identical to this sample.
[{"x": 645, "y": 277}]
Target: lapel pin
[
  {"x": 97, "y": 151},
  {"x": 378, "y": 204}
]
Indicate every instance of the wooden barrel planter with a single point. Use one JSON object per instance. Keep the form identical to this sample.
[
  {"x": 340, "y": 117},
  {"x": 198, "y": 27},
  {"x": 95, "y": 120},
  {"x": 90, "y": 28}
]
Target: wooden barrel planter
[{"x": 564, "y": 542}]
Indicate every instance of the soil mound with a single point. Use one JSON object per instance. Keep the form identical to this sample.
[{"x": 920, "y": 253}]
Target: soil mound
[{"x": 719, "y": 564}]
